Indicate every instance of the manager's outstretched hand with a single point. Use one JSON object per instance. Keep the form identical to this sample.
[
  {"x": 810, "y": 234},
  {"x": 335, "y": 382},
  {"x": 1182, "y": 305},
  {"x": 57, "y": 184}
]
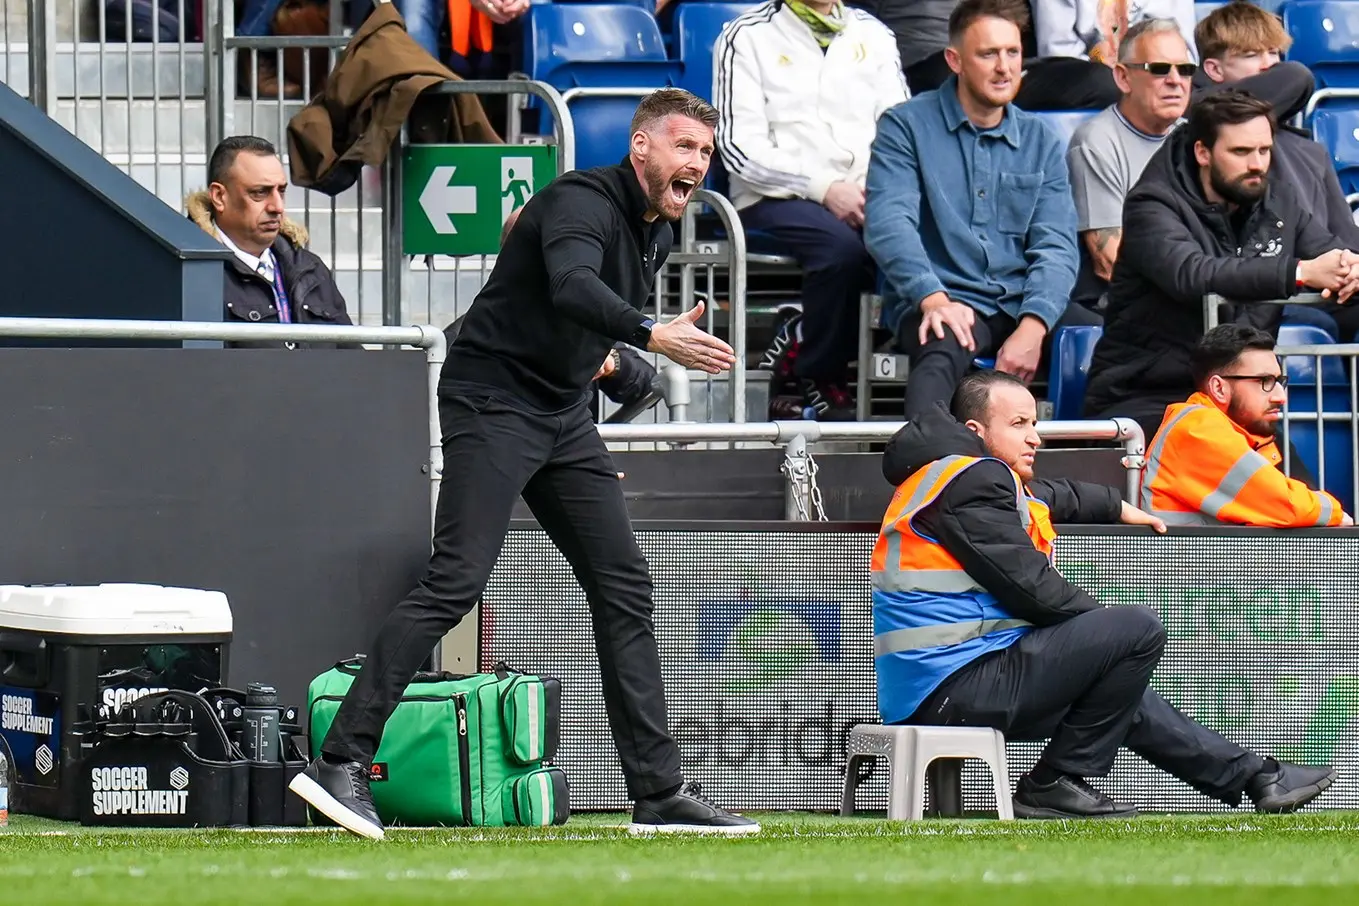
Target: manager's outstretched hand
[{"x": 682, "y": 342}]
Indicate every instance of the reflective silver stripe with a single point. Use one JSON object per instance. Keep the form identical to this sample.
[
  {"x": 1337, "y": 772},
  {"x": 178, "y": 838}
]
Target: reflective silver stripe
[
  {"x": 1154, "y": 454},
  {"x": 1176, "y": 517},
  {"x": 892, "y": 535},
  {"x": 1231, "y": 484},
  {"x": 942, "y": 581},
  {"x": 1327, "y": 510},
  {"x": 899, "y": 640}
]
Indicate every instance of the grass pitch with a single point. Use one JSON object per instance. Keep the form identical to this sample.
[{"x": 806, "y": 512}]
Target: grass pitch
[{"x": 1151, "y": 861}]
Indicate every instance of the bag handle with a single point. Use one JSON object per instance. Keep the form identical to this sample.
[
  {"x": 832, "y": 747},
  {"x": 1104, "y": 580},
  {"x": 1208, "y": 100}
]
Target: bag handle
[{"x": 351, "y": 667}]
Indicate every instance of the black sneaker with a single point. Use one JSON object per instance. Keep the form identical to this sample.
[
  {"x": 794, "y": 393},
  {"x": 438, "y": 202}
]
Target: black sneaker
[
  {"x": 340, "y": 793},
  {"x": 1065, "y": 797},
  {"x": 687, "y": 812},
  {"x": 1283, "y": 787},
  {"x": 781, "y": 355},
  {"x": 831, "y": 400}
]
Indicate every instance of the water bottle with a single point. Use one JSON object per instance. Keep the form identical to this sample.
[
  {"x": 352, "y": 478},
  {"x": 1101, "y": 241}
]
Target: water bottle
[
  {"x": 259, "y": 723},
  {"x": 4, "y": 790}
]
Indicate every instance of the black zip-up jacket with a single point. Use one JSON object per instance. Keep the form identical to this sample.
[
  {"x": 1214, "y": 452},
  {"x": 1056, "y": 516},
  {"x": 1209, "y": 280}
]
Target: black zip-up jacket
[
  {"x": 569, "y": 282},
  {"x": 1177, "y": 248},
  {"x": 976, "y": 518}
]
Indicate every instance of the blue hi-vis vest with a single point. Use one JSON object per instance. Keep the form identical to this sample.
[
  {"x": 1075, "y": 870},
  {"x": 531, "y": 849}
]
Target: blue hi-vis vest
[{"x": 930, "y": 618}]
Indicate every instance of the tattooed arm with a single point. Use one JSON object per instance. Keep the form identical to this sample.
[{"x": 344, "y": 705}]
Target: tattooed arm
[{"x": 1103, "y": 248}]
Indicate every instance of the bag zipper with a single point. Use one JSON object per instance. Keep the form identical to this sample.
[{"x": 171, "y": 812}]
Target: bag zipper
[{"x": 464, "y": 759}]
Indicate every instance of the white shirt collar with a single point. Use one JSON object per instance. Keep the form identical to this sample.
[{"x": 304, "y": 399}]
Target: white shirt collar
[{"x": 251, "y": 261}]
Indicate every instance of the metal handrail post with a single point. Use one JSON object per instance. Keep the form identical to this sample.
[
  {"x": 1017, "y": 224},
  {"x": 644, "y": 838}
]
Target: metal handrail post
[
  {"x": 1134, "y": 456},
  {"x": 736, "y": 291},
  {"x": 42, "y": 56},
  {"x": 1211, "y": 301}
]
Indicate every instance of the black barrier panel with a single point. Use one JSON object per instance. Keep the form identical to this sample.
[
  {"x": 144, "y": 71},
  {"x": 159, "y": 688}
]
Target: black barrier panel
[
  {"x": 293, "y": 482},
  {"x": 765, "y": 633}
]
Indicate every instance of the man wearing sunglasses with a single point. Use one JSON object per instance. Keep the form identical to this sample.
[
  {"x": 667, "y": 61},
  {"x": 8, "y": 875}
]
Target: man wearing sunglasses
[
  {"x": 1109, "y": 151},
  {"x": 1215, "y": 460}
]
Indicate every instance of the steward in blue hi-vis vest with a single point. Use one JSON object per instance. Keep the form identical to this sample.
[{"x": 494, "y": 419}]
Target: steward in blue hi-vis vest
[{"x": 930, "y": 618}]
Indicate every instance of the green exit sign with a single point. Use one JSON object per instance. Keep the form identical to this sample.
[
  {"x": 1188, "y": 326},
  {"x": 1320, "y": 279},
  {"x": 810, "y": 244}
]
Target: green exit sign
[{"x": 456, "y": 198}]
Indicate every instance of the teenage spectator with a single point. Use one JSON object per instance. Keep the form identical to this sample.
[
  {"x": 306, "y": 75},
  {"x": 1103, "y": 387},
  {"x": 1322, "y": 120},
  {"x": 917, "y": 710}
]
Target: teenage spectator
[
  {"x": 1204, "y": 218},
  {"x": 970, "y": 217},
  {"x": 801, "y": 86},
  {"x": 1109, "y": 150},
  {"x": 273, "y": 277},
  {"x": 1215, "y": 460},
  {"x": 1048, "y": 83},
  {"x": 1241, "y": 46}
]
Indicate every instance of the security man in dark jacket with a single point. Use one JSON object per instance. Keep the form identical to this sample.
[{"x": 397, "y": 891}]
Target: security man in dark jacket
[
  {"x": 569, "y": 282},
  {"x": 273, "y": 276},
  {"x": 975, "y": 627},
  {"x": 1204, "y": 218}
]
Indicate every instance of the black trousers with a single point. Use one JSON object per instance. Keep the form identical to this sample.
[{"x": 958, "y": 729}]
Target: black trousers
[
  {"x": 1052, "y": 83},
  {"x": 938, "y": 365},
  {"x": 493, "y": 453},
  {"x": 836, "y": 270},
  {"x": 1082, "y": 685}
]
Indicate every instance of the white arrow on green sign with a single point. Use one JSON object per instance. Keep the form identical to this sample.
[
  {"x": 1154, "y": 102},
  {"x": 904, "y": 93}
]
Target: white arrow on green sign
[
  {"x": 440, "y": 200},
  {"x": 457, "y": 197}
]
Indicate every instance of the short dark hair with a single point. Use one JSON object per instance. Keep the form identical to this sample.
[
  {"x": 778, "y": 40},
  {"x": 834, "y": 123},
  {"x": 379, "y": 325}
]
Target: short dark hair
[
  {"x": 969, "y": 11},
  {"x": 972, "y": 399},
  {"x": 1230, "y": 107},
  {"x": 224, "y": 155},
  {"x": 1223, "y": 345},
  {"x": 665, "y": 102}
]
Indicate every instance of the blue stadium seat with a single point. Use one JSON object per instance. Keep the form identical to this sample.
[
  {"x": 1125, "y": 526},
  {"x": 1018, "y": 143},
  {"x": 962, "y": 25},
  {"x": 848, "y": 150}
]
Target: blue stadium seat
[
  {"x": 1335, "y": 397},
  {"x": 1064, "y": 122},
  {"x": 1337, "y": 128},
  {"x": 596, "y": 45},
  {"x": 1325, "y": 39},
  {"x": 1069, "y": 367},
  {"x": 697, "y": 28}
]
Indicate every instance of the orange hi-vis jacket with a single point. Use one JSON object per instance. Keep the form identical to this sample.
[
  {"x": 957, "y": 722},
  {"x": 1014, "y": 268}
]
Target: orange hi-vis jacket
[
  {"x": 468, "y": 28},
  {"x": 930, "y": 618},
  {"x": 1204, "y": 469}
]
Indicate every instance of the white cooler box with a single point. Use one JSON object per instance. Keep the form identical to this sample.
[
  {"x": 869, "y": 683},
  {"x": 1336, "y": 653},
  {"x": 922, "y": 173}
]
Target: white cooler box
[{"x": 65, "y": 650}]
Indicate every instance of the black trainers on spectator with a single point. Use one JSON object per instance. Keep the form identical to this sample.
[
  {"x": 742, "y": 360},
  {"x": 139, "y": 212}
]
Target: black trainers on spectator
[
  {"x": 1282, "y": 787},
  {"x": 831, "y": 400},
  {"x": 787, "y": 408},
  {"x": 339, "y": 791},
  {"x": 687, "y": 812},
  {"x": 1065, "y": 797},
  {"x": 782, "y": 355}
]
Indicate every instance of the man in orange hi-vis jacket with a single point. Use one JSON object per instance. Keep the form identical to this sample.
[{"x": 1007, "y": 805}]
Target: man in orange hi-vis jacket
[{"x": 1214, "y": 461}]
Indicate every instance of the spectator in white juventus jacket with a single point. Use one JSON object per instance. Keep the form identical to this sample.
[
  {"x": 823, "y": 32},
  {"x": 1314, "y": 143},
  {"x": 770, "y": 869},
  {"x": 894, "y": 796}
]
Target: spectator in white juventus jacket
[{"x": 800, "y": 85}]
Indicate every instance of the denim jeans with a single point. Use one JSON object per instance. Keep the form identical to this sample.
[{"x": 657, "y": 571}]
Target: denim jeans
[{"x": 423, "y": 19}]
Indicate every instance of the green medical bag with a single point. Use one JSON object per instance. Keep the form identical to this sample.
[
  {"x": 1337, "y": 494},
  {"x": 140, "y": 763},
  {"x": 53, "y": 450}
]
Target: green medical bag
[{"x": 460, "y": 749}]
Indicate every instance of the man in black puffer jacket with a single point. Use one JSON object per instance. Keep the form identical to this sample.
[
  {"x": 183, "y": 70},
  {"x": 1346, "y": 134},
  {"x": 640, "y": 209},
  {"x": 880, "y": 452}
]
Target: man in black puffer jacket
[
  {"x": 1205, "y": 218},
  {"x": 975, "y": 627},
  {"x": 273, "y": 277}
]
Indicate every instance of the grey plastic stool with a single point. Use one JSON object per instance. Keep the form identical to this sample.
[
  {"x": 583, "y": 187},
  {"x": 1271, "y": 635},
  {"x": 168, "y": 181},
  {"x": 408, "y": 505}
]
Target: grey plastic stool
[{"x": 916, "y": 753}]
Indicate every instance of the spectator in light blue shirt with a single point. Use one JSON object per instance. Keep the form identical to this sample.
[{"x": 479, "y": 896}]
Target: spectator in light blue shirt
[{"x": 969, "y": 215}]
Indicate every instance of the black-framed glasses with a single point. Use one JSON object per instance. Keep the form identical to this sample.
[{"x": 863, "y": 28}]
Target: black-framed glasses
[
  {"x": 1161, "y": 70},
  {"x": 1267, "y": 381}
]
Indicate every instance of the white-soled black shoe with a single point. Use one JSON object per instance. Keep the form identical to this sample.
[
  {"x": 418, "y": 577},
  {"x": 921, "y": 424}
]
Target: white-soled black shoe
[
  {"x": 340, "y": 792},
  {"x": 688, "y": 812}
]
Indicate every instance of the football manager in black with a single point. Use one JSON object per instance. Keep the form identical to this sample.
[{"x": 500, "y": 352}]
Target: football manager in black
[{"x": 569, "y": 282}]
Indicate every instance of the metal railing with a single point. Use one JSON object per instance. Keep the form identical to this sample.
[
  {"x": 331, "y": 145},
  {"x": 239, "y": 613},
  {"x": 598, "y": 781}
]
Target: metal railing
[
  {"x": 1213, "y": 302},
  {"x": 1323, "y": 410},
  {"x": 802, "y": 500}
]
